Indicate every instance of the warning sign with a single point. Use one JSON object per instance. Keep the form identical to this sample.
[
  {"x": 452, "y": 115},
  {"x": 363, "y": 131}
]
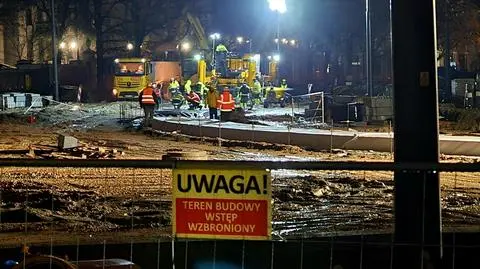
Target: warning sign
[{"x": 226, "y": 204}]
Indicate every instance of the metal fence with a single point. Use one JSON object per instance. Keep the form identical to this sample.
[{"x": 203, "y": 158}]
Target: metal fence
[{"x": 323, "y": 212}]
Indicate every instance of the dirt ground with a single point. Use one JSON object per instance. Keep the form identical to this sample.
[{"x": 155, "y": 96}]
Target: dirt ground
[{"x": 86, "y": 201}]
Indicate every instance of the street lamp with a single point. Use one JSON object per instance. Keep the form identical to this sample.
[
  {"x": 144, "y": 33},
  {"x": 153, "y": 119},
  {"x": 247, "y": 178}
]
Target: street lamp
[
  {"x": 55, "y": 50},
  {"x": 276, "y": 58},
  {"x": 62, "y": 45},
  {"x": 240, "y": 39},
  {"x": 249, "y": 42},
  {"x": 129, "y": 46},
  {"x": 186, "y": 46},
  {"x": 197, "y": 57},
  {"x": 73, "y": 45},
  {"x": 214, "y": 37},
  {"x": 277, "y": 5},
  {"x": 280, "y": 7}
]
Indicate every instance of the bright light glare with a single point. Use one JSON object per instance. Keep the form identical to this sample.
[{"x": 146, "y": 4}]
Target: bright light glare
[
  {"x": 129, "y": 46},
  {"x": 144, "y": 60},
  {"x": 197, "y": 57},
  {"x": 256, "y": 57},
  {"x": 186, "y": 46},
  {"x": 269, "y": 57},
  {"x": 278, "y": 5},
  {"x": 284, "y": 41},
  {"x": 240, "y": 39},
  {"x": 63, "y": 45},
  {"x": 117, "y": 61},
  {"x": 276, "y": 40},
  {"x": 276, "y": 58},
  {"x": 215, "y": 36},
  {"x": 73, "y": 45},
  {"x": 293, "y": 42}
]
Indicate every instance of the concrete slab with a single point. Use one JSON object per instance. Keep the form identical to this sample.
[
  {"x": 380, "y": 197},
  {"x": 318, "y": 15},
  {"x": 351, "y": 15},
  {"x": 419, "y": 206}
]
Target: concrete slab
[{"x": 67, "y": 142}]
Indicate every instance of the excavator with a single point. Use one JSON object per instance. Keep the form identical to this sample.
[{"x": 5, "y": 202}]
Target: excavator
[{"x": 240, "y": 69}]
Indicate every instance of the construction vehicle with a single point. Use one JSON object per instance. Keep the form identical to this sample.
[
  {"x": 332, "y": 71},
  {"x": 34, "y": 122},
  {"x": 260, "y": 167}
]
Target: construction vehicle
[
  {"x": 276, "y": 96},
  {"x": 132, "y": 75},
  {"x": 240, "y": 70}
]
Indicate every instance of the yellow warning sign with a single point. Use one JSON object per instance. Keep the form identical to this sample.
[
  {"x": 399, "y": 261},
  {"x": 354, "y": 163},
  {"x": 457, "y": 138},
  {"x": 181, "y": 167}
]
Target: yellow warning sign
[{"x": 226, "y": 204}]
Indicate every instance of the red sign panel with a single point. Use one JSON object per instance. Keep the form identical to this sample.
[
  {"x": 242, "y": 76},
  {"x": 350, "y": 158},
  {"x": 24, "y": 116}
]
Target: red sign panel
[{"x": 225, "y": 217}]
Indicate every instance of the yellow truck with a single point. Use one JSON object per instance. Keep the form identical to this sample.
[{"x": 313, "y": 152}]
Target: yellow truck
[{"x": 132, "y": 75}]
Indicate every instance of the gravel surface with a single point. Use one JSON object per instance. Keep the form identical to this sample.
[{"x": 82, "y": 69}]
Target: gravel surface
[{"x": 86, "y": 201}]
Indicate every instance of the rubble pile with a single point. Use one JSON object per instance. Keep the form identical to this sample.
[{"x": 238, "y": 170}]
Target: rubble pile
[{"x": 68, "y": 148}]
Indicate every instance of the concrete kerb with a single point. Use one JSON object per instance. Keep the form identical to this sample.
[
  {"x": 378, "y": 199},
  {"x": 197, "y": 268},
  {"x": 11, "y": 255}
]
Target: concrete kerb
[{"x": 311, "y": 139}]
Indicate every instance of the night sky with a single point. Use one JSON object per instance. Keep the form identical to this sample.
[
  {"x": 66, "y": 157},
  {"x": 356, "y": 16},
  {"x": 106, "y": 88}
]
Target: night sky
[{"x": 304, "y": 19}]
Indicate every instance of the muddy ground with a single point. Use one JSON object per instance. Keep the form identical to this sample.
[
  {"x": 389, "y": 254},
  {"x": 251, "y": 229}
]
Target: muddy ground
[{"x": 93, "y": 201}]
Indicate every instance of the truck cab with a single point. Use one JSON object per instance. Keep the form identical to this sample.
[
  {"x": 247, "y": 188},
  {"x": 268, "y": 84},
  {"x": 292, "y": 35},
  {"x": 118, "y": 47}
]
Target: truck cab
[{"x": 131, "y": 76}]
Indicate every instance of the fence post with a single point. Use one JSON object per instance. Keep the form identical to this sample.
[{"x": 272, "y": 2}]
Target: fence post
[
  {"x": 331, "y": 252},
  {"x": 173, "y": 253},
  {"x": 253, "y": 132},
  {"x": 220, "y": 131},
  {"x": 301, "y": 254},
  {"x": 186, "y": 254},
  {"x": 214, "y": 254},
  {"x": 272, "y": 256},
  {"x": 104, "y": 253},
  {"x": 243, "y": 254},
  {"x": 331, "y": 137},
  {"x": 158, "y": 253}
]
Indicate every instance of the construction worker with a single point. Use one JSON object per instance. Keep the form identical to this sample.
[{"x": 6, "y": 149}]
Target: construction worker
[
  {"x": 157, "y": 88},
  {"x": 177, "y": 98},
  {"x": 284, "y": 84},
  {"x": 212, "y": 102},
  {"x": 244, "y": 95},
  {"x": 188, "y": 86},
  {"x": 221, "y": 59},
  {"x": 201, "y": 89},
  {"x": 148, "y": 100},
  {"x": 173, "y": 85},
  {"x": 257, "y": 92},
  {"x": 193, "y": 100},
  {"x": 226, "y": 104}
]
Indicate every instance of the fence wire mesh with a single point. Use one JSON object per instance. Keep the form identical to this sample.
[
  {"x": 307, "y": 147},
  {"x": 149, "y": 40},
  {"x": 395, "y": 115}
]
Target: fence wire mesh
[{"x": 319, "y": 218}]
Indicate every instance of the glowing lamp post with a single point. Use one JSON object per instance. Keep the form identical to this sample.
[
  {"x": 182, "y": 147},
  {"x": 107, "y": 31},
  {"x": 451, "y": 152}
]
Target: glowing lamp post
[
  {"x": 214, "y": 37},
  {"x": 280, "y": 7}
]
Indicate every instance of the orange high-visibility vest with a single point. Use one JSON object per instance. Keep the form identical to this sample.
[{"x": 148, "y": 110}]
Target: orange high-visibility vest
[
  {"x": 227, "y": 103},
  {"x": 147, "y": 96}
]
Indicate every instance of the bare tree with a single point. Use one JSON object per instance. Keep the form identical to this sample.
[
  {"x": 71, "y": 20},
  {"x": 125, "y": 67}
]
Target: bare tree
[
  {"x": 458, "y": 25},
  {"x": 18, "y": 22},
  {"x": 143, "y": 21}
]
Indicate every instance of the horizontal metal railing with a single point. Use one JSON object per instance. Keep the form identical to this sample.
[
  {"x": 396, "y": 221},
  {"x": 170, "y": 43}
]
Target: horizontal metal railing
[{"x": 293, "y": 165}]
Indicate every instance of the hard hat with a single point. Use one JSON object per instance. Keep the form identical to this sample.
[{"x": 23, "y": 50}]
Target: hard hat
[
  {"x": 150, "y": 85},
  {"x": 283, "y": 80},
  {"x": 226, "y": 89}
]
